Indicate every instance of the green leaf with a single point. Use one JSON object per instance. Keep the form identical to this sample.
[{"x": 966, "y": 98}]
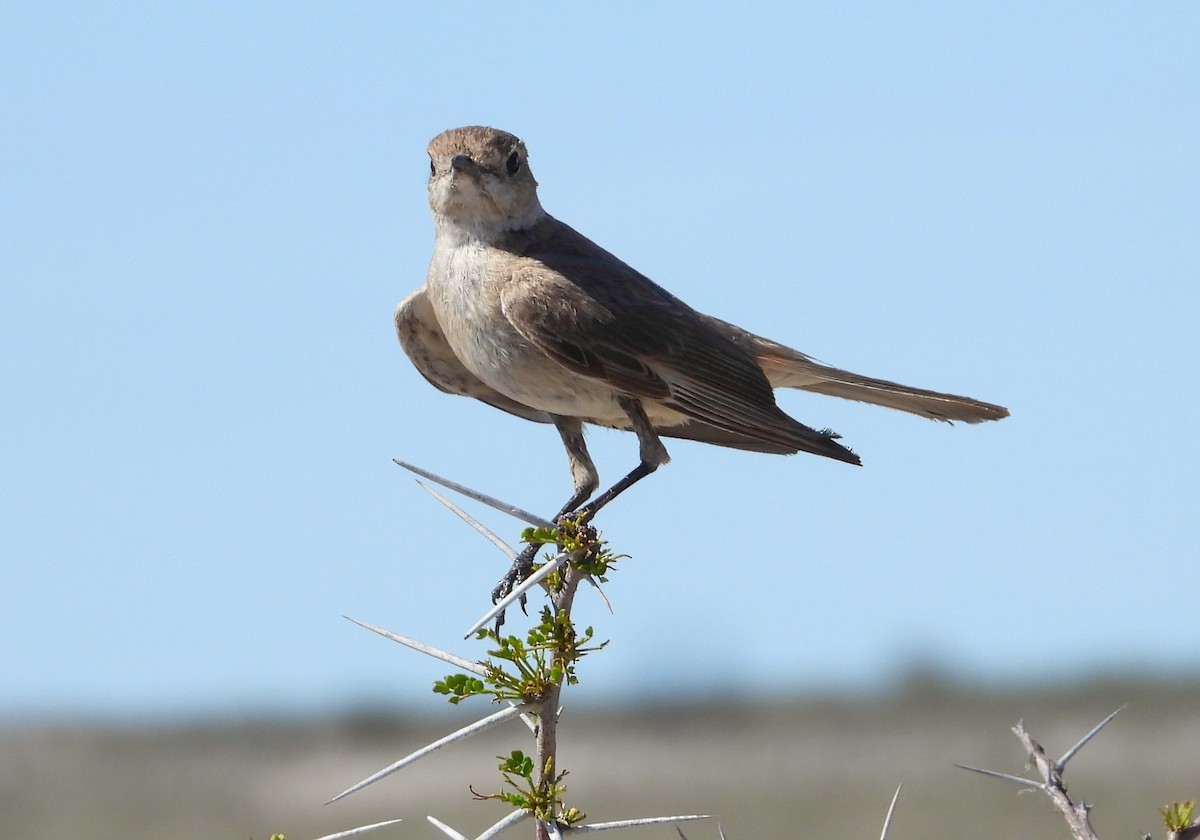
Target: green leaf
[{"x": 1178, "y": 815}]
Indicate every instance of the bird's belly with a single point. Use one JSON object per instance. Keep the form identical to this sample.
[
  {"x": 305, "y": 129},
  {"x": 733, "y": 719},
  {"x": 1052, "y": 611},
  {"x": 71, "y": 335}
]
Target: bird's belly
[
  {"x": 522, "y": 371},
  {"x": 466, "y": 303},
  {"x": 504, "y": 359},
  {"x": 532, "y": 378}
]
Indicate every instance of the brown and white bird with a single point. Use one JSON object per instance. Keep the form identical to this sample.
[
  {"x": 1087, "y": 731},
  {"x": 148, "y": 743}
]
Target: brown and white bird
[{"x": 528, "y": 315}]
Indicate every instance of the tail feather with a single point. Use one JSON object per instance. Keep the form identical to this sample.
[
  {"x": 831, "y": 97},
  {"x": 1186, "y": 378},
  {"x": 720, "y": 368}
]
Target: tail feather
[
  {"x": 795, "y": 370},
  {"x": 788, "y": 368}
]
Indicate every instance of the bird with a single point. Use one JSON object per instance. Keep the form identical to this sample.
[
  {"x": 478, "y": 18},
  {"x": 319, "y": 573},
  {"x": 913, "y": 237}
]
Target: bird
[{"x": 524, "y": 313}]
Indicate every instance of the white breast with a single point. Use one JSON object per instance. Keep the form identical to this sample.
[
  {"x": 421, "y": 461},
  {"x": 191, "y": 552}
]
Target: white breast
[{"x": 465, "y": 281}]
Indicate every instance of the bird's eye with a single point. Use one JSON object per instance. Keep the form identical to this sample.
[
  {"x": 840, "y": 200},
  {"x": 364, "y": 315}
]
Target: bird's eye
[
  {"x": 513, "y": 164},
  {"x": 432, "y": 167}
]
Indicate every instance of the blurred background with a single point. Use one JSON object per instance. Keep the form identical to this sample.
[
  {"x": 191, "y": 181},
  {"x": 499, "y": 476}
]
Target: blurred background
[{"x": 208, "y": 212}]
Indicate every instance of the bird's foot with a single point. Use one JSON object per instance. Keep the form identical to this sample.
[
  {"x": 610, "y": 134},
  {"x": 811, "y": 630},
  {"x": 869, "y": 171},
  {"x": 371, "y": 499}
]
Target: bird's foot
[
  {"x": 522, "y": 568},
  {"x": 583, "y": 515}
]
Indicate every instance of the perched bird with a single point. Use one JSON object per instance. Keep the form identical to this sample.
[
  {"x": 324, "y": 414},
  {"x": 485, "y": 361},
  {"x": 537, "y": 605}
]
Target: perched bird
[{"x": 528, "y": 315}]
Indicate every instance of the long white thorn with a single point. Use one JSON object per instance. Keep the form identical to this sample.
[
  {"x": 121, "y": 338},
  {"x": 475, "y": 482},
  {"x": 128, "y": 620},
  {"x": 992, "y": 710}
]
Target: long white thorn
[
  {"x": 511, "y": 819},
  {"x": 476, "y": 668},
  {"x": 1069, "y": 754},
  {"x": 429, "y": 650},
  {"x": 466, "y": 732},
  {"x": 634, "y": 823},
  {"x": 512, "y": 597},
  {"x": 590, "y": 579},
  {"x": 445, "y": 829},
  {"x": 1020, "y": 780},
  {"x": 887, "y": 821},
  {"x": 354, "y": 832},
  {"x": 479, "y": 527},
  {"x": 490, "y": 501}
]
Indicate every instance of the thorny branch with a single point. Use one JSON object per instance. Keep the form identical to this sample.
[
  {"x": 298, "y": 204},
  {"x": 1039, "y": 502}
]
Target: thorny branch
[
  {"x": 1050, "y": 781},
  {"x": 580, "y": 559}
]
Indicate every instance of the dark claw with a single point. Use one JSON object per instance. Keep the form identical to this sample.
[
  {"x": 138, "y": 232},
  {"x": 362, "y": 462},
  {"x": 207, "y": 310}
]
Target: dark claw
[{"x": 522, "y": 568}]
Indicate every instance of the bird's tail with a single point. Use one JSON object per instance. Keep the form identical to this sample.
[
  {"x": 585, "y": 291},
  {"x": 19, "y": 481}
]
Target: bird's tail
[{"x": 787, "y": 368}]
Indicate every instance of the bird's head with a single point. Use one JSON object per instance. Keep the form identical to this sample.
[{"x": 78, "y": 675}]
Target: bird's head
[{"x": 480, "y": 182}]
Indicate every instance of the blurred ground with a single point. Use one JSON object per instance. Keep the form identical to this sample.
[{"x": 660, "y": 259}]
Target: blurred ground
[{"x": 819, "y": 767}]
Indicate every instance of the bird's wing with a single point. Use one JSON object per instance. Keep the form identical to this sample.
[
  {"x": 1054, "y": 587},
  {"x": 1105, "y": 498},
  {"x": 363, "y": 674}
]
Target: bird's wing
[
  {"x": 425, "y": 344},
  {"x": 601, "y": 319},
  {"x": 422, "y": 339},
  {"x": 704, "y": 433}
]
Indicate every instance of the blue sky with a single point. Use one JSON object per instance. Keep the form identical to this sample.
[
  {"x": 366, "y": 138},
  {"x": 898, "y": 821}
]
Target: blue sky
[{"x": 208, "y": 212}]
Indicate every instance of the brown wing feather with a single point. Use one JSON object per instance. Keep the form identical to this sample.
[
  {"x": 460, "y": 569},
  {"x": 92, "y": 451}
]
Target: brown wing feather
[{"x": 600, "y": 318}]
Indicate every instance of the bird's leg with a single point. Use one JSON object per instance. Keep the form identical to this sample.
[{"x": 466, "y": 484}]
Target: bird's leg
[
  {"x": 583, "y": 471},
  {"x": 635, "y": 475},
  {"x": 586, "y": 479},
  {"x": 651, "y": 452},
  {"x": 650, "y": 448}
]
